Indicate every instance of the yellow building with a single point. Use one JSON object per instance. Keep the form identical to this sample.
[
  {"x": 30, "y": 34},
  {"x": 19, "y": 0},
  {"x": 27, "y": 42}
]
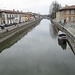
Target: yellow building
[
  {"x": 68, "y": 13},
  {"x": 28, "y": 16},
  {"x": 58, "y": 16}
]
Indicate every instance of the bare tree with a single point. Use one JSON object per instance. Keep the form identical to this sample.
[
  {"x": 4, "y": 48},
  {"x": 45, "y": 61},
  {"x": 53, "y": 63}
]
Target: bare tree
[{"x": 54, "y": 7}]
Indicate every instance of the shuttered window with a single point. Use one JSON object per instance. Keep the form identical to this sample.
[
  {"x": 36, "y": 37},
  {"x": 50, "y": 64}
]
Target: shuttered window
[
  {"x": 72, "y": 11},
  {"x": 67, "y": 12}
]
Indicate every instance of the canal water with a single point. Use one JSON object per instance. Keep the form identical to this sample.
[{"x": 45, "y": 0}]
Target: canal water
[{"x": 38, "y": 52}]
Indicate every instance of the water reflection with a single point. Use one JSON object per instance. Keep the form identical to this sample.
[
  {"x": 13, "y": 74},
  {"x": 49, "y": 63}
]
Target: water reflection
[
  {"x": 72, "y": 47},
  {"x": 37, "y": 54},
  {"x": 53, "y": 30},
  {"x": 12, "y": 40},
  {"x": 54, "y": 34},
  {"x": 63, "y": 45},
  {"x": 71, "y": 43}
]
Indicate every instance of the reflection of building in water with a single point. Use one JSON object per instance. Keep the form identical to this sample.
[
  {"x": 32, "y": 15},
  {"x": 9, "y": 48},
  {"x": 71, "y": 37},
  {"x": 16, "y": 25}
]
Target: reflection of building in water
[
  {"x": 71, "y": 43},
  {"x": 12, "y": 40},
  {"x": 71, "y": 46},
  {"x": 53, "y": 30},
  {"x": 63, "y": 45}
]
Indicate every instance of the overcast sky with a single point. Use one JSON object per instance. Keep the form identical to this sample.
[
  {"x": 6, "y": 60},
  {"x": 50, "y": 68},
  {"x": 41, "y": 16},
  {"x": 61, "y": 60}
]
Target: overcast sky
[{"x": 36, "y": 6}]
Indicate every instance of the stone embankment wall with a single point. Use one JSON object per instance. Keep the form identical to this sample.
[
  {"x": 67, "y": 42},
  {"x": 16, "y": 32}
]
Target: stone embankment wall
[
  {"x": 62, "y": 28},
  {"x": 8, "y": 34}
]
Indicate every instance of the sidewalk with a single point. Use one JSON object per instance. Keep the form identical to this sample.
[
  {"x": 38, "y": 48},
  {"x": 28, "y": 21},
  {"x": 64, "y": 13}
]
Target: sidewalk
[
  {"x": 16, "y": 26},
  {"x": 13, "y": 27},
  {"x": 71, "y": 27}
]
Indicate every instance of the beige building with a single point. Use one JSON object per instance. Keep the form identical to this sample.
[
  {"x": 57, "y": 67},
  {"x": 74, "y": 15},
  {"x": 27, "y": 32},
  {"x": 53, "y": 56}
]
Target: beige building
[
  {"x": 28, "y": 16},
  {"x": 67, "y": 13},
  {"x": 58, "y": 16}
]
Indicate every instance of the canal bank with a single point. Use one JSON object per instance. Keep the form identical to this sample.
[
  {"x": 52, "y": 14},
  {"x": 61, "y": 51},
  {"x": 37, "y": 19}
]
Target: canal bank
[
  {"x": 70, "y": 34},
  {"x": 64, "y": 29},
  {"x": 13, "y": 39},
  {"x": 38, "y": 53},
  {"x": 7, "y": 34}
]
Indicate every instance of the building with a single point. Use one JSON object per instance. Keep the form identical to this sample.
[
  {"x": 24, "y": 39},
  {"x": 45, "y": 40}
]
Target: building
[
  {"x": 36, "y": 15},
  {"x": 67, "y": 13},
  {"x": 31, "y": 16},
  {"x": 58, "y": 16},
  {"x": 11, "y": 16},
  {"x": 28, "y": 16}
]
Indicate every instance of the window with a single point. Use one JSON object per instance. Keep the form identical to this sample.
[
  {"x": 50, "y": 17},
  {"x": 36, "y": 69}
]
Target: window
[
  {"x": 13, "y": 15},
  {"x": 74, "y": 18},
  {"x": 62, "y": 12},
  {"x": 0, "y": 15},
  {"x": 3, "y": 16},
  {"x": 16, "y": 15},
  {"x": 67, "y": 12},
  {"x": 8, "y": 15},
  {"x": 72, "y": 11}
]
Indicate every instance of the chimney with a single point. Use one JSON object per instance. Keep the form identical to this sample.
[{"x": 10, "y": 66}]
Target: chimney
[
  {"x": 17, "y": 10},
  {"x": 13, "y": 9},
  {"x": 66, "y": 5},
  {"x": 21, "y": 11}
]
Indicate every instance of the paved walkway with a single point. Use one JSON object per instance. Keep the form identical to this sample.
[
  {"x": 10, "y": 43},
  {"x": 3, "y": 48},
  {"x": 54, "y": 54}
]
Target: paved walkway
[
  {"x": 13, "y": 27},
  {"x": 71, "y": 27}
]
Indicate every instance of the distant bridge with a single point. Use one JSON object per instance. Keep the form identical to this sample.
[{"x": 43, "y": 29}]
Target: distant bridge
[{"x": 45, "y": 16}]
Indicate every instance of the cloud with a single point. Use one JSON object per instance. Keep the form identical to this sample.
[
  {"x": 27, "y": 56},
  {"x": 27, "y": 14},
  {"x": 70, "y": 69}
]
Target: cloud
[{"x": 41, "y": 6}]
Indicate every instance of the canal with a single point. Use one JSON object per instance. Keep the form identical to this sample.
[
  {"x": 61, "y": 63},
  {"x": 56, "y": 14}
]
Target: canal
[{"x": 37, "y": 52}]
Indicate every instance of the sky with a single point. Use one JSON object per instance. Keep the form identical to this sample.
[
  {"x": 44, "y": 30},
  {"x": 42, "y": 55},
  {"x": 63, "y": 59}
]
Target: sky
[{"x": 35, "y": 6}]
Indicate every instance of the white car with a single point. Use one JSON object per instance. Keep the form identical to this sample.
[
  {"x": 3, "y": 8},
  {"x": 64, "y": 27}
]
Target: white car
[{"x": 2, "y": 26}]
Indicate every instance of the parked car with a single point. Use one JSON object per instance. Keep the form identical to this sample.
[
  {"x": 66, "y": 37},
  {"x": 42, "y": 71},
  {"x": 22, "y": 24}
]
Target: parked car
[
  {"x": 62, "y": 37},
  {"x": 2, "y": 26},
  {"x": 6, "y": 25},
  {"x": 15, "y": 23}
]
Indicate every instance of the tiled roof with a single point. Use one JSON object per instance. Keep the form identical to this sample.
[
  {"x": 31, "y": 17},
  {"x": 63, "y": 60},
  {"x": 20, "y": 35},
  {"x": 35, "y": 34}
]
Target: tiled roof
[
  {"x": 68, "y": 8},
  {"x": 12, "y": 11},
  {"x": 28, "y": 13}
]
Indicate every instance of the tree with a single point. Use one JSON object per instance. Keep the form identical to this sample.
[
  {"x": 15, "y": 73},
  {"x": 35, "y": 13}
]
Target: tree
[{"x": 54, "y": 7}]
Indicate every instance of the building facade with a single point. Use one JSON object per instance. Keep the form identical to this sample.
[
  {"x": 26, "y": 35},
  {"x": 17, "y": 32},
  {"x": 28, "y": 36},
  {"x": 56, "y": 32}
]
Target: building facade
[
  {"x": 28, "y": 16},
  {"x": 11, "y": 16},
  {"x": 58, "y": 16},
  {"x": 67, "y": 13}
]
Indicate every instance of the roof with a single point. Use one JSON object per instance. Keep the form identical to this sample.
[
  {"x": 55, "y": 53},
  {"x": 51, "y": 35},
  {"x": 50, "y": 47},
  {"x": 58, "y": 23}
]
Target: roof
[
  {"x": 28, "y": 13},
  {"x": 68, "y": 8},
  {"x": 12, "y": 11}
]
